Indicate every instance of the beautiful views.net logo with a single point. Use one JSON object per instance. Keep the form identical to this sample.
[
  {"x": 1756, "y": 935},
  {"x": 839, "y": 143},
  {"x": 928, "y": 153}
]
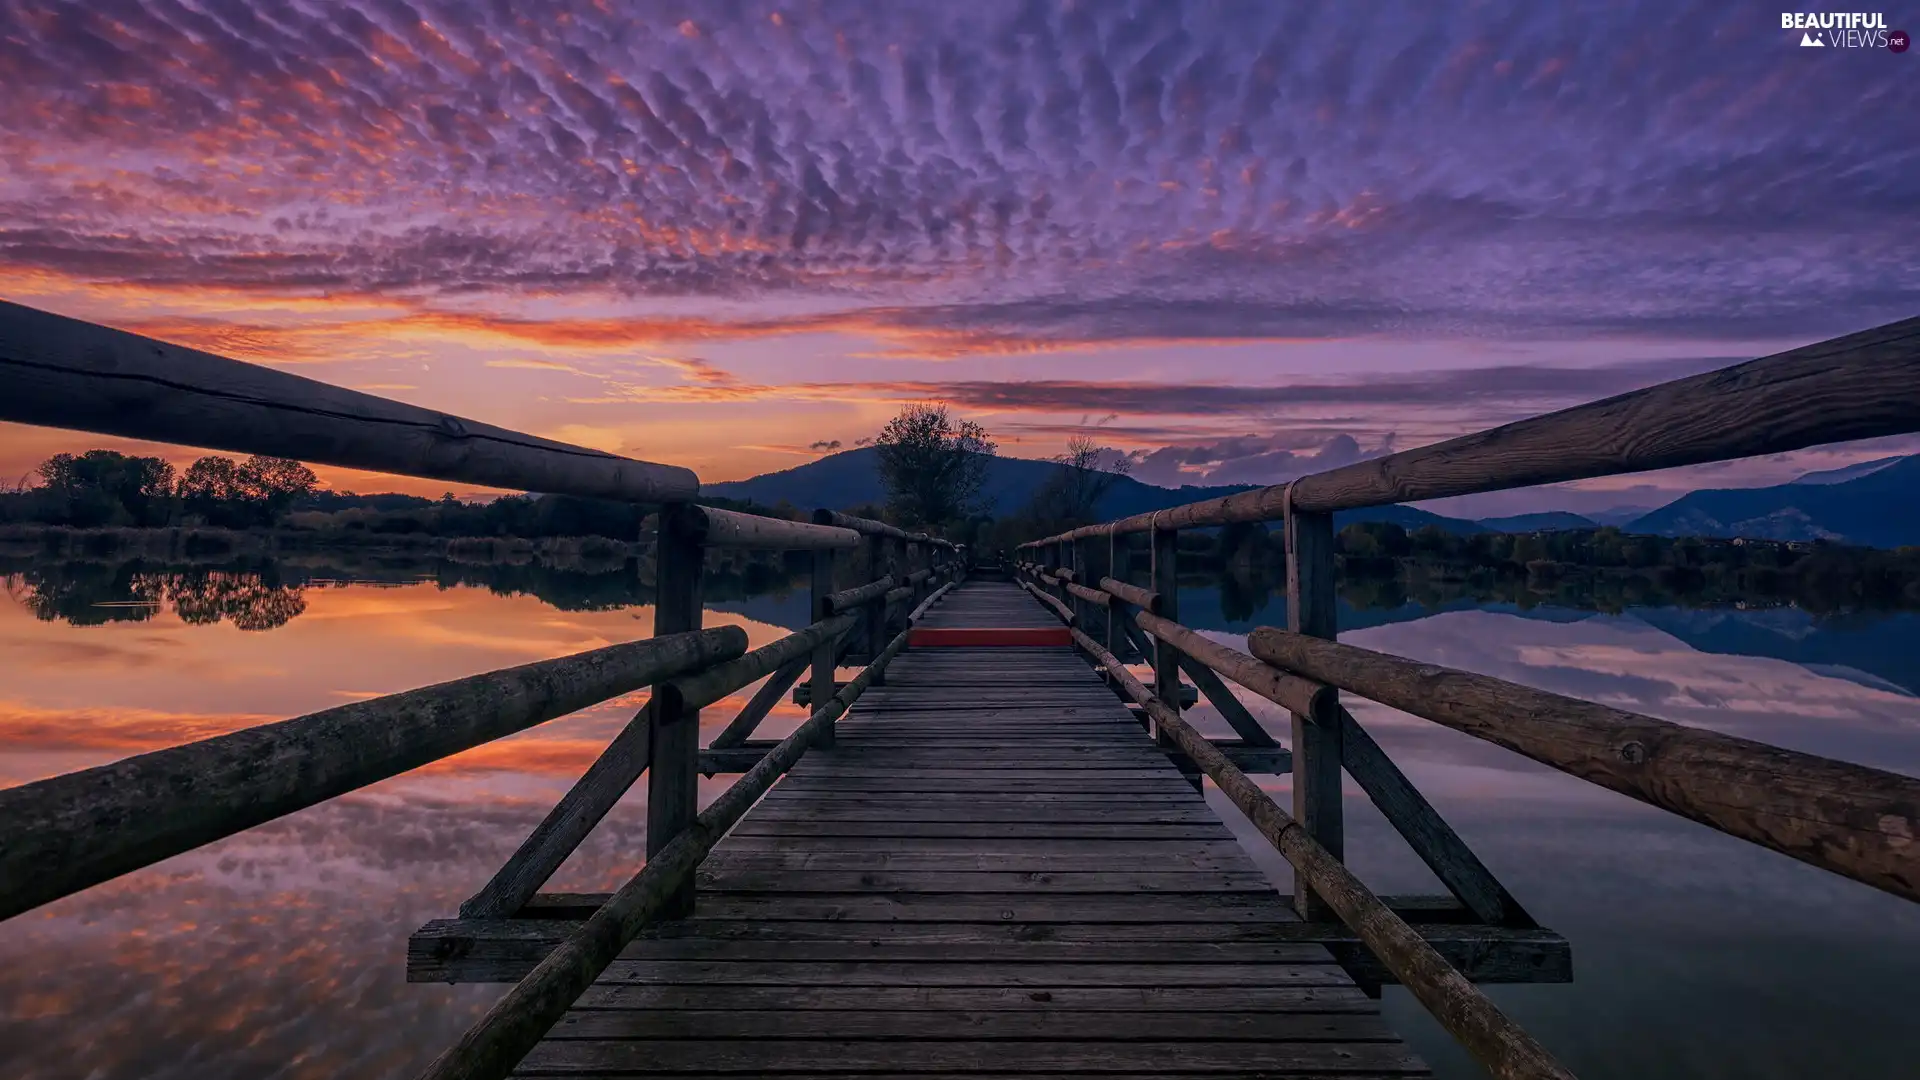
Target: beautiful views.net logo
[{"x": 1845, "y": 30}]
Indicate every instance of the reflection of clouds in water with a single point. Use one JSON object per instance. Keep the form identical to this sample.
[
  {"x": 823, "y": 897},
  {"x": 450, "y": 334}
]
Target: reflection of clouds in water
[
  {"x": 281, "y": 951},
  {"x": 1695, "y": 955}
]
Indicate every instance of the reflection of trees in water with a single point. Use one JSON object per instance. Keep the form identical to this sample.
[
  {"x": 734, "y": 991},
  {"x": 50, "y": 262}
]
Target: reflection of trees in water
[
  {"x": 93, "y": 594},
  {"x": 262, "y": 595}
]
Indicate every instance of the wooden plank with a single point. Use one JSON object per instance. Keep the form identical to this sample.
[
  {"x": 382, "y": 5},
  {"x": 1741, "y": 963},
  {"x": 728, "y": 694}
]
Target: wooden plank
[
  {"x": 1196, "y": 813},
  {"x": 804, "y": 973},
  {"x": 981, "y": 831},
  {"x": 1165, "y": 548},
  {"x": 739, "y": 880},
  {"x": 1001, "y": 907},
  {"x": 1853, "y": 820},
  {"x": 786, "y": 860},
  {"x": 1311, "y": 609},
  {"x": 1182, "y": 1000},
  {"x": 840, "y": 1057},
  {"x": 928, "y": 1025},
  {"x": 1003, "y": 844}
]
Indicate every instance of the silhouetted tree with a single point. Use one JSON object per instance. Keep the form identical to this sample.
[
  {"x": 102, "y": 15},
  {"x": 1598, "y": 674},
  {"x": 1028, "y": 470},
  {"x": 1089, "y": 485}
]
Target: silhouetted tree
[{"x": 932, "y": 465}]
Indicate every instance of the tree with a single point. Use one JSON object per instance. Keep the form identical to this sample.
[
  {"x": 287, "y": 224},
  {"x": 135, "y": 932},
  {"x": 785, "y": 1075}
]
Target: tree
[
  {"x": 103, "y": 487},
  {"x": 932, "y": 466},
  {"x": 252, "y": 493},
  {"x": 1071, "y": 496}
]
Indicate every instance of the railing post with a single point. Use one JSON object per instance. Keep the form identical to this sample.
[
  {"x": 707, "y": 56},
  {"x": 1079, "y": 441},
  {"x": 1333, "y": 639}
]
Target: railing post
[
  {"x": 673, "y": 756},
  {"x": 1114, "y": 610},
  {"x": 1166, "y": 659},
  {"x": 821, "y": 688},
  {"x": 1093, "y": 563},
  {"x": 1316, "y": 740},
  {"x": 875, "y": 618}
]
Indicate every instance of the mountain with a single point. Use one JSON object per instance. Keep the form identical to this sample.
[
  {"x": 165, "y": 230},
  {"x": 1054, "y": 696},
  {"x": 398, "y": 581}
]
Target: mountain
[
  {"x": 1408, "y": 518},
  {"x": 852, "y": 478},
  {"x": 1880, "y": 508},
  {"x": 1618, "y": 515},
  {"x": 1547, "y": 521},
  {"x": 1848, "y": 472}
]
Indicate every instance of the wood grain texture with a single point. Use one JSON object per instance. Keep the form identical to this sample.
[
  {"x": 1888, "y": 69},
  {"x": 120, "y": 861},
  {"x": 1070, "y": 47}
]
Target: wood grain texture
[
  {"x": 1312, "y": 609},
  {"x": 61, "y": 372},
  {"x": 1854, "y": 820},
  {"x": 711, "y": 526},
  {"x": 71, "y": 832},
  {"x": 1499, "y": 1044},
  {"x": 991, "y": 855}
]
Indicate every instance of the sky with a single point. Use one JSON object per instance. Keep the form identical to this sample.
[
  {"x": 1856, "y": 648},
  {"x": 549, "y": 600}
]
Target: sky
[{"x": 1243, "y": 241}]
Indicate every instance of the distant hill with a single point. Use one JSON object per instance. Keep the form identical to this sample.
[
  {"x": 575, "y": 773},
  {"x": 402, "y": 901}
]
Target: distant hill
[
  {"x": 1547, "y": 521},
  {"x": 1848, "y": 472},
  {"x": 1877, "y": 508},
  {"x": 1407, "y": 518},
  {"x": 1620, "y": 516},
  {"x": 852, "y": 478}
]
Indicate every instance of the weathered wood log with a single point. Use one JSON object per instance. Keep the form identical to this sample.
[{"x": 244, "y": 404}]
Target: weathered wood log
[
  {"x": 757, "y": 707},
  {"x": 713, "y": 527},
  {"x": 1853, "y": 820},
  {"x": 825, "y": 651},
  {"x": 1056, "y": 607},
  {"x": 863, "y": 526},
  {"x": 736, "y": 759},
  {"x": 673, "y": 750},
  {"x": 706, "y": 687},
  {"x": 74, "y": 831},
  {"x": 518, "y": 1021},
  {"x": 1289, "y": 691},
  {"x": 894, "y": 596},
  {"x": 1431, "y": 838},
  {"x": 1091, "y": 596},
  {"x": 569, "y": 822},
  {"x": 506, "y": 950},
  {"x": 65, "y": 373},
  {"x": 1494, "y": 1040},
  {"x": 1858, "y": 386},
  {"x": 1312, "y": 609},
  {"x": 926, "y": 605},
  {"x": 1164, "y": 548},
  {"x": 848, "y": 599},
  {"x": 1226, "y": 703},
  {"x": 1145, "y": 599},
  {"x": 918, "y": 576}
]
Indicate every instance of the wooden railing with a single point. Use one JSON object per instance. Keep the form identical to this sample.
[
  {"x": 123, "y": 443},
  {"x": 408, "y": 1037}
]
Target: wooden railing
[
  {"x": 67, "y": 833},
  {"x": 1856, "y": 821}
]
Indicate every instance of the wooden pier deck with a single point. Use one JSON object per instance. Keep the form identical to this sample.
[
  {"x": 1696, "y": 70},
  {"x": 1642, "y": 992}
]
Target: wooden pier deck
[{"x": 993, "y": 870}]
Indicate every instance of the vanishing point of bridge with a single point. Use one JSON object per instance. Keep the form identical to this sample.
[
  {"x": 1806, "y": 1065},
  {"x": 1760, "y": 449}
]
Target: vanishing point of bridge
[{"x": 985, "y": 853}]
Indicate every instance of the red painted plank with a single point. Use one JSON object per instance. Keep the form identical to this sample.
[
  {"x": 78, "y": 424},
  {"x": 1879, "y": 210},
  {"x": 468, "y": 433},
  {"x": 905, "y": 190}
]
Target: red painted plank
[{"x": 924, "y": 638}]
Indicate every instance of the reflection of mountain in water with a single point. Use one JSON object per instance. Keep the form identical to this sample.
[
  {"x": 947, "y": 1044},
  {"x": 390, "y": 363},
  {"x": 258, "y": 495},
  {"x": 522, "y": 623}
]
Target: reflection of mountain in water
[
  {"x": 1867, "y": 648},
  {"x": 1875, "y": 649}
]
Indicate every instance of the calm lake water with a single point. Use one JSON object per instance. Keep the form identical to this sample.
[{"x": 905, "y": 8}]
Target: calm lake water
[{"x": 280, "y": 952}]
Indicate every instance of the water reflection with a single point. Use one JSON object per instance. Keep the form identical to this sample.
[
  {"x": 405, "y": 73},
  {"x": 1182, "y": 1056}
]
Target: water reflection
[{"x": 280, "y": 951}]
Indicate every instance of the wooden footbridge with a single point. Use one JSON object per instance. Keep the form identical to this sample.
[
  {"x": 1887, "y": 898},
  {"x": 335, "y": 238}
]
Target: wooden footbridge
[{"x": 984, "y": 854}]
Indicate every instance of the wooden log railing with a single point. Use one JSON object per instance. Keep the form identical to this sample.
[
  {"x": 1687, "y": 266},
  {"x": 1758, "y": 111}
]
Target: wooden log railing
[
  {"x": 623, "y": 762},
  {"x": 1853, "y": 820},
  {"x": 1495, "y": 1041},
  {"x": 72, "y": 832},
  {"x": 503, "y": 1036},
  {"x": 65, "y": 373},
  {"x": 1859, "y": 386}
]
